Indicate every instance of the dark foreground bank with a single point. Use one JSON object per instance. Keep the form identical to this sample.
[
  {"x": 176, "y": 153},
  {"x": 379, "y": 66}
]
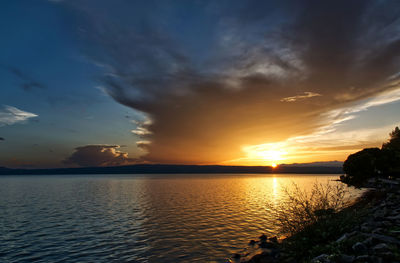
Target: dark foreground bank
[{"x": 367, "y": 231}]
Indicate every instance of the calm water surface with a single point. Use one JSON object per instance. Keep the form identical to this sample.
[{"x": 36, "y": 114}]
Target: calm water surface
[{"x": 136, "y": 218}]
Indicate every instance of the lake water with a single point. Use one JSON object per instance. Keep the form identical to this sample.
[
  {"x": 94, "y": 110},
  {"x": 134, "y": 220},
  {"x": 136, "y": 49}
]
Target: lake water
[{"x": 137, "y": 218}]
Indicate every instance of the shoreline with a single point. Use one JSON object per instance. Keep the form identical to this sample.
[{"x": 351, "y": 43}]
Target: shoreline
[
  {"x": 177, "y": 169},
  {"x": 373, "y": 235}
]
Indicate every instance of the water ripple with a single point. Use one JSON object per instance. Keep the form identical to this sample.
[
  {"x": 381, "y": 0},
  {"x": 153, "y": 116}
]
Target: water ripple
[{"x": 159, "y": 218}]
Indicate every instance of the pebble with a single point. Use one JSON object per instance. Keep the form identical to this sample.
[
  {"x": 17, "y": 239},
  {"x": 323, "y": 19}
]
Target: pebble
[{"x": 359, "y": 248}]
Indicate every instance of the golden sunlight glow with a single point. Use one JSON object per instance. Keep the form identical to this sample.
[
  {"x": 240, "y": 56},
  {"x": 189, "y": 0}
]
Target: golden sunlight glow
[
  {"x": 274, "y": 165},
  {"x": 323, "y": 145},
  {"x": 268, "y": 153}
]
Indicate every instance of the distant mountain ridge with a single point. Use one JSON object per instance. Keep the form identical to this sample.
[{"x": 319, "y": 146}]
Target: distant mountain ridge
[
  {"x": 314, "y": 164},
  {"x": 311, "y": 168}
]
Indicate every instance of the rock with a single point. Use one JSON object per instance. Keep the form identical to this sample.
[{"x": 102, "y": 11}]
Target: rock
[
  {"x": 263, "y": 238},
  {"x": 359, "y": 248},
  {"x": 324, "y": 258},
  {"x": 377, "y": 231},
  {"x": 375, "y": 259},
  {"x": 270, "y": 252},
  {"x": 396, "y": 212},
  {"x": 346, "y": 236},
  {"x": 385, "y": 211},
  {"x": 387, "y": 256},
  {"x": 291, "y": 260},
  {"x": 391, "y": 204},
  {"x": 260, "y": 258},
  {"x": 365, "y": 229},
  {"x": 362, "y": 258},
  {"x": 273, "y": 239},
  {"x": 380, "y": 248},
  {"x": 252, "y": 242},
  {"x": 343, "y": 258},
  {"x": 379, "y": 214},
  {"x": 342, "y": 238},
  {"x": 267, "y": 244},
  {"x": 370, "y": 241},
  {"x": 352, "y": 234},
  {"x": 386, "y": 239}
]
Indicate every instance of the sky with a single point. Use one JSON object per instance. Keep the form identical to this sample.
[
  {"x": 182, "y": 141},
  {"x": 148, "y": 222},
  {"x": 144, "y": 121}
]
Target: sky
[{"x": 101, "y": 83}]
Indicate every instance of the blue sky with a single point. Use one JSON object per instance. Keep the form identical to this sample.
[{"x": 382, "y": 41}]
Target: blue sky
[
  {"x": 42, "y": 44},
  {"x": 229, "y": 82}
]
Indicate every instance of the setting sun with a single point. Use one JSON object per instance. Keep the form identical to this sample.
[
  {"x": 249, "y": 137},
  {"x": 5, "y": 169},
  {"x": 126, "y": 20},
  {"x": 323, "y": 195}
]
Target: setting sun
[
  {"x": 270, "y": 153},
  {"x": 177, "y": 131}
]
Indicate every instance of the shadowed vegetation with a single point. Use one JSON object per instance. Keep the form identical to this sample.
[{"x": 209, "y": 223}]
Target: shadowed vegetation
[
  {"x": 313, "y": 219},
  {"x": 374, "y": 162},
  {"x": 302, "y": 208}
]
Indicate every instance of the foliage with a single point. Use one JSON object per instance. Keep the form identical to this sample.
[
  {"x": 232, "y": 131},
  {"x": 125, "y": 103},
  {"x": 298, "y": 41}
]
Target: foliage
[
  {"x": 392, "y": 152},
  {"x": 361, "y": 165},
  {"x": 313, "y": 219},
  {"x": 373, "y": 162},
  {"x": 301, "y": 208},
  {"x": 394, "y": 141}
]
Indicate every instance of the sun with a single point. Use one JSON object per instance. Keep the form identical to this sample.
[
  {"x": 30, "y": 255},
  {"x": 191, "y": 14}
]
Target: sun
[
  {"x": 271, "y": 155},
  {"x": 267, "y": 154}
]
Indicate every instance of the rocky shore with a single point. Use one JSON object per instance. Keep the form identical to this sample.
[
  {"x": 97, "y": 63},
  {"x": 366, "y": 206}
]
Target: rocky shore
[{"x": 374, "y": 238}]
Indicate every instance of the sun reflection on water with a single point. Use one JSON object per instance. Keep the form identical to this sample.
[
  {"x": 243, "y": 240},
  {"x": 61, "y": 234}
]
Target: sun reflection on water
[
  {"x": 149, "y": 218},
  {"x": 275, "y": 188}
]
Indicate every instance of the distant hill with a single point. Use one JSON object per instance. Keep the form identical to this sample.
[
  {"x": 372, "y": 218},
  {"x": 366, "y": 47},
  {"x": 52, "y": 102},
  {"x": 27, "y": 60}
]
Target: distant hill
[
  {"x": 180, "y": 169},
  {"x": 315, "y": 164}
]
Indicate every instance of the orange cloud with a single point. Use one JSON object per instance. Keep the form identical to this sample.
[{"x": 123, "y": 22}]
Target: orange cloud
[{"x": 213, "y": 109}]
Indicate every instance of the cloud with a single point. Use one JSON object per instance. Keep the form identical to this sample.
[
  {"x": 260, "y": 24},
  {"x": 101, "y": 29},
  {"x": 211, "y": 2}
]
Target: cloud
[
  {"x": 219, "y": 85},
  {"x": 324, "y": 146},
  {"x": 27, "y": 82},
  {"x": 142, "y": 128},
  {"x": 2, "y": 139},
  {"x": 98, "y": 155},
  {"x": 338, "y": 116},
  {"x": 10, "y": 115},
  {"x": 328, "y": 140},
  {"x": 307, "y": 94},
  {"x": 144, "y": 145}
]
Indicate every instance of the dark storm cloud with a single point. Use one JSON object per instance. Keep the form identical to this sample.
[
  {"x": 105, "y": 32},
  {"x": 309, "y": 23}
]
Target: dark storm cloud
[
  {"x": 208, "y": 98},
  {"x": 2, "y": 139},
  {"x": 98, "y": 155},
  {"x": 27, "y": 82}
]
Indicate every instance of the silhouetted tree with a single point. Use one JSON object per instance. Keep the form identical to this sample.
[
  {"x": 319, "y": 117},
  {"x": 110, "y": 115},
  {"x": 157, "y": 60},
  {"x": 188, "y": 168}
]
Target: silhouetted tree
[
  {"x": 373, "y": 162},
  {"x": 361, "y": 165},
  {"x": 394, "y": 141},
  {"x": 391, "y": 153}
]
